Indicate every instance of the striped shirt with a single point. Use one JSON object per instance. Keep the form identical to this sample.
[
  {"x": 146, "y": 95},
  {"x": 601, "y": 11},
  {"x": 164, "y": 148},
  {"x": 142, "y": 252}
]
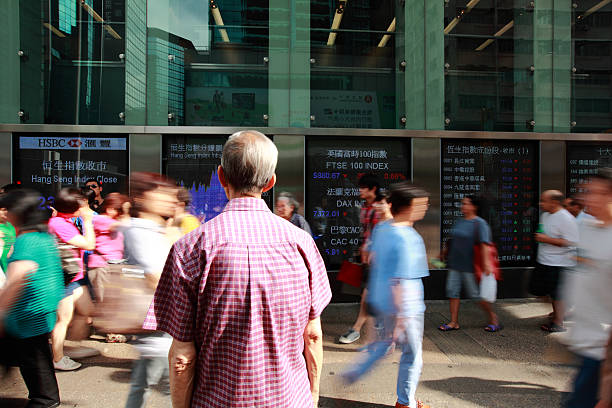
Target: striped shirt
[{"x": 243, "y": 287}]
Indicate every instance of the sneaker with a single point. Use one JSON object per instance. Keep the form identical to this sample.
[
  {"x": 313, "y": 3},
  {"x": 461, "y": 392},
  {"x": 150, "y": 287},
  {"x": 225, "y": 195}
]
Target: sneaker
[
  {"x": 66, "y": 364},
  {"x": 82, "y": 352},
  {"x": 349, "y": 337},
  {"x": 419, "y": 405}
]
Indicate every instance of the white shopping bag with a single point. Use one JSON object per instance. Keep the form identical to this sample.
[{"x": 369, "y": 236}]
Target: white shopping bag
[{"x": 488, "y": 288}]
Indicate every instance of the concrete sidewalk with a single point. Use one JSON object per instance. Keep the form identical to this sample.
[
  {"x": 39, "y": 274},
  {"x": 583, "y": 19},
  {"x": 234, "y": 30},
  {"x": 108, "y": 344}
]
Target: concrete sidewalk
[{"x": 519, "y": 366}]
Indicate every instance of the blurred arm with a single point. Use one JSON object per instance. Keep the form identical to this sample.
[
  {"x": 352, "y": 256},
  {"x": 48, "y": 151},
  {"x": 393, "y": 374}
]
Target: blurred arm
[
  {"x": 182, "y": 359},
  {"x": 313, "y": 351},
  {"x": 86, "y": 241}
]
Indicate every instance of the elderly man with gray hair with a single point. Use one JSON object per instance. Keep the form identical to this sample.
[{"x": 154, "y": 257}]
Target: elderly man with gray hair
[{"x": 241, "y": 296}]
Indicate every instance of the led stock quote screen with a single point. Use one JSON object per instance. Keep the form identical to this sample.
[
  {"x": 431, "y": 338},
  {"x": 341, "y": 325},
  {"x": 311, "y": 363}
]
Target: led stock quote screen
[
  {"x": 48, "y": 162},
  {"x": 333, "y": 167},
  {"x": 583, "y": 161},
  {"x": 192, "y": 162},
  {"x": 505, "y": 175}
]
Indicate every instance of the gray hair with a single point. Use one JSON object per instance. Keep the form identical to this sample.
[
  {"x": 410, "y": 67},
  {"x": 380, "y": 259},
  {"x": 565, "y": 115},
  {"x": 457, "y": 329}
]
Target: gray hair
[
  {"x": 290, "y": 200},
  {"x": 249, "y": 161}
]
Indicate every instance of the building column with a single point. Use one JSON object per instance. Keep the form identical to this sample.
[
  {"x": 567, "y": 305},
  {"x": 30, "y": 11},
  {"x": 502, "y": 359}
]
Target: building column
[
  {"x": 11, "y": 63},
  {"x": 420, "y": 43},
  {"x": 542, "y": 66},
  {"x": 279, "y": 30},
  {"x": 289, "y": 65},
  {"x": 299, "y": 64},
  {"x": 135, "y": 62},
  {"x": 562, "y": 65}
]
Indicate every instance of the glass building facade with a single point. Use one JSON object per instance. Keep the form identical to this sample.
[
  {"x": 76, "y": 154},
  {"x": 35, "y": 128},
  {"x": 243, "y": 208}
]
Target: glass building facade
[
  {"x": 501, "y": 98},
  {"x": 458, "y": 65}
]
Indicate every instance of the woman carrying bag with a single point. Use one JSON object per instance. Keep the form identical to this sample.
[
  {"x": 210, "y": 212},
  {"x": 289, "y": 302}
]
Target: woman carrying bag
[{"x": 471, "y": 235}]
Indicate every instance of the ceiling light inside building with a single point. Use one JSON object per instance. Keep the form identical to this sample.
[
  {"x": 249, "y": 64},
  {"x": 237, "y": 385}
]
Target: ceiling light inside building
[
  {"x": 497, "y": 34},
  {"x": 387, "y": 37},
  {"x": 331, "y": 40},
  {"x": 214, "y": 8},
  {"x": 99, "y": 19},
  {"x": 593, "y": 9},
  {"x": 463, "y": 12},
  {"x": 54, "y": 30}
]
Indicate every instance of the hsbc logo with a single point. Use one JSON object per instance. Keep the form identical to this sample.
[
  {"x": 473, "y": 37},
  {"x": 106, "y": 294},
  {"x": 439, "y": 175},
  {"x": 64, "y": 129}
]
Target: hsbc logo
[
  {"x": 59, "y": 142},
  {"x": 51, "y": 142},
  {"x": 72, "y": 143}
]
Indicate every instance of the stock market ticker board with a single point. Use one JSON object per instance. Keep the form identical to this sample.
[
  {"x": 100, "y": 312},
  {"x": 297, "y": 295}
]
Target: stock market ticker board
[
  {"x": 583, "y": 161},
  {"x": 192, "y": 162},
  {"x": 505, "y": 175},
  {"x": 333, "y": 167}
]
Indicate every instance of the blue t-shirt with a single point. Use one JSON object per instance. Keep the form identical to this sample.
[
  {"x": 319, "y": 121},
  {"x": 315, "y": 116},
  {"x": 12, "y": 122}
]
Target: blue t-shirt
[
  {"x": 466, "y": 234},
  {"x": 398, "y": 252}
]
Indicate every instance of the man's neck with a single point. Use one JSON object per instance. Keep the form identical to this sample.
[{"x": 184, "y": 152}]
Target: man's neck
[
  {"x": 554, "y": 210},
  {"x": 231, "y": 194}
]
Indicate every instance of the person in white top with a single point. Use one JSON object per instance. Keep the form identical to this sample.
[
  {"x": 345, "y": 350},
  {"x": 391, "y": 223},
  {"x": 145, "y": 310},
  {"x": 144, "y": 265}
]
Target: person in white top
[
  {"x": 589, "y": 291},
  {"x": 557, "y": 237},
  {"x": 575, "y": 206}
]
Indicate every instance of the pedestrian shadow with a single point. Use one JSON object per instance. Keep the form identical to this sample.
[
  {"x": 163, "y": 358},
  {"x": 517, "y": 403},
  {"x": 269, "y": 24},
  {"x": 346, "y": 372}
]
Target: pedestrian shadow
[
  {"x": 504, "y": 394},
  {"x": 327, "y": 402},
  {"x": 22, "y": 402}
]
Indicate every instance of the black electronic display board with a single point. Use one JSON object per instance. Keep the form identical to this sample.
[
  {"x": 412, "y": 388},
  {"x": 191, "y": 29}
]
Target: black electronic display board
[
  {"x": 505, "y": 174},
  {"x": 192, "y": 162},
  {"x": 583, "y": 161},
  {"x": 333, "y": 167},
  {"x": 47, "y": 162}
]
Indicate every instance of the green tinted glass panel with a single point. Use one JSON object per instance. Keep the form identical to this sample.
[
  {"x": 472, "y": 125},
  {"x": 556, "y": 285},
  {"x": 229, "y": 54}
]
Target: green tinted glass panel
[{"x": 591, "y": 103}]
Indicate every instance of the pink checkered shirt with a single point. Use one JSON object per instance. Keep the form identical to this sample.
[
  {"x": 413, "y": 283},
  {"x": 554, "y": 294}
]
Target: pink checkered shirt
[{"x": 242, "y": 287}]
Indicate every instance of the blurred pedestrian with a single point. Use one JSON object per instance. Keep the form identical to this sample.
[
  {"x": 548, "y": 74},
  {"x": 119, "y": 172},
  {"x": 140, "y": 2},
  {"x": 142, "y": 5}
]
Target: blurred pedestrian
[
  {"x": 97, "y": 200},
  {"x": 147, "y": 245},
  {"x": 557, "y": 237},
  {"x": 242, "y": 296},
  {"x": 182, "y": 218},
  {"x": 76, "y": 306},
  {"x": 369, "y": 191},
  {"x": 589, "y": 292},
  {"x": 29, "y": 301},
  {"x": 109, "y": 242},
  {"x": 605, "y": 387},
  {"x": 575, "y": 206},
  {"x": 7, "y": 238},
  {"x": 287, "y": 208},
  {"x": 469, "y": 231},
  {"x": 395, "y": 290}
]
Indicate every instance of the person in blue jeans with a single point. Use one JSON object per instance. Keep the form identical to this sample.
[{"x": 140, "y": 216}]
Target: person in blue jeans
[{"x": 399, "y": 262}]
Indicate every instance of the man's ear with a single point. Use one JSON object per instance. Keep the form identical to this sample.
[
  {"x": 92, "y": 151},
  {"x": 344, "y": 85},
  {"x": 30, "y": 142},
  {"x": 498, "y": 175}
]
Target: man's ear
[
  {"x": 221, "y": 176},
  {"x": 270, "y": 184}
]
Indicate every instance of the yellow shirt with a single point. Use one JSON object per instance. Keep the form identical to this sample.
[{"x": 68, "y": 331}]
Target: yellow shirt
[{"x": 189, "y": 223}]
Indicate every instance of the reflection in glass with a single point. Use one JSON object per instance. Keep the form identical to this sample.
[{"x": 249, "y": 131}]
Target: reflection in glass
[
  {"x": 352, "y": 76},
  {"x": 206, "y": 62},
  {"x": 592, "y": 69},
  {"x": 83, "y": 45},
  {"x": 488, "y": 54}
]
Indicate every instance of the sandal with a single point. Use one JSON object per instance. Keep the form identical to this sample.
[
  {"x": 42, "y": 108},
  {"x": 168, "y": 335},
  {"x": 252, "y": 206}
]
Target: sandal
[
  {"x": 445, "y": 327},
  {"x": 493, "y": 328},
  {"x": 553, "y": 328}
]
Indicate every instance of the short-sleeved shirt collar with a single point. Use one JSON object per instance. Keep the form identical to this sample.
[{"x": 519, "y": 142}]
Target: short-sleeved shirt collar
[{"x": 246, "y": 204}]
